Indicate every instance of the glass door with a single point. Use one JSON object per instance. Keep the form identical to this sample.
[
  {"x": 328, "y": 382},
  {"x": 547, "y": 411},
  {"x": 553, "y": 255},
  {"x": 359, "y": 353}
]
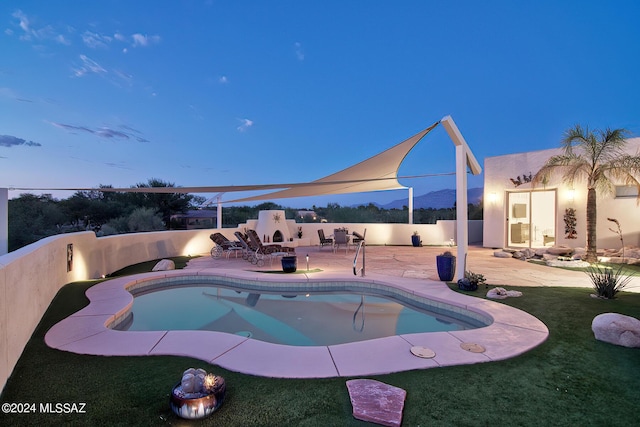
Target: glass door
[{"x": 531, "y": 219}]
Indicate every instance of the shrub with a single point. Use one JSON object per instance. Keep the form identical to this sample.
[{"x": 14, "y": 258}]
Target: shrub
[
  {"x": 606, "y": 281},
  {"x": 475, "y": 278}
]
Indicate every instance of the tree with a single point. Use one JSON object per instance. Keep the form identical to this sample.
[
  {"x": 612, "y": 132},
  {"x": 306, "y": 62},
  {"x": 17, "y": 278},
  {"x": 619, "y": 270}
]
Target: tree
[
  {"x": 597, "y": 157},
  {"x": 163, "y": 203}
]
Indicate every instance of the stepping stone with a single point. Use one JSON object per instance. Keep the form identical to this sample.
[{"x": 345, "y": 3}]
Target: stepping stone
[{"x": 376, "y": 402}]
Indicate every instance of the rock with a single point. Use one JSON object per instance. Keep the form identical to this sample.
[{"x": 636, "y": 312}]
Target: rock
[
  {"x": 376, "y": 402},
  {"x": 560, "y": 250},
  {"x": 567, "y": 264},
  {"x": 502, "y": 293},
  {"x": 164, "y": 265},
  {"x": 633, "y": 261},
  {"x": 579, "y": 252},
  {"x": 519, "y": 255},
  {"x": 502, "y": 254},
  {"x": 549, "y": 257},
  {"x": 540, "y": 252},
  {"x": 528, "y": 253},
  {"x": 188, "y": 383},
  {"x": 617, "y": 329}
]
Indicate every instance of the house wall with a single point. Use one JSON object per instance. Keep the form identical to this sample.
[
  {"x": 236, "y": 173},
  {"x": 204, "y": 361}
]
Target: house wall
[
  {"x": 31, "y": 276},
  {"x": 498, "y": 171}
]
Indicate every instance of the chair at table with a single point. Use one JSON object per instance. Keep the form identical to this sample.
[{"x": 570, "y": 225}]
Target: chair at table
[
  {"x": 357, "y": 238},
  {"x": 324, "y": 241},
  {"x": 340, "y": 238}
]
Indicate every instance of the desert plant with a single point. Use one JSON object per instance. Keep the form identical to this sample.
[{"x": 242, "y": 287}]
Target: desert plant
[
  {"x": 618, "y": 232},
  {"x": 606, "y": 281},
  {"x": 475, "y": 278}
]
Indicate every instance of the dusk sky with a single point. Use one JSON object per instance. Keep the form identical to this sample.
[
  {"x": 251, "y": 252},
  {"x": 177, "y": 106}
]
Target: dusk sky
[{"x": 208, "y": 92}]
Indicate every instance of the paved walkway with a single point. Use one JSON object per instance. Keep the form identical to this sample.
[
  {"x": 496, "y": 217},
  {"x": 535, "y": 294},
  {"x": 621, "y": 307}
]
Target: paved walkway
[{"x": 420, "y": 263}]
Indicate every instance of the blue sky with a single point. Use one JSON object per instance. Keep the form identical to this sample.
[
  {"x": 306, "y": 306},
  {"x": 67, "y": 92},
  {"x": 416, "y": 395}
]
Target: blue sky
[{"x": 250, "y": 92}]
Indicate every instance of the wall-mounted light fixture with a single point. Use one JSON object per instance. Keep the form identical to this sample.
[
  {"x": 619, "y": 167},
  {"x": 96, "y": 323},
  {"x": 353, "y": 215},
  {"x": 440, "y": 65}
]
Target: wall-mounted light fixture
[
  {"x": 571, "y": 195},
  {"x": 307, "y": 262},
  {"x": 493, "y": 198}
]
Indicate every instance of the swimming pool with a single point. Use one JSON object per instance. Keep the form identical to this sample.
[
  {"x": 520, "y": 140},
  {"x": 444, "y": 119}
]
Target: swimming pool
[
  {"x": 301, "y": 318},
  {"x": 510, "y": 331}
]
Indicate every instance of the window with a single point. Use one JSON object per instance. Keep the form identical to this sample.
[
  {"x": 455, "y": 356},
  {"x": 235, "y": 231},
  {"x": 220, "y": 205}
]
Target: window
[{"x": 625, "y": 191}]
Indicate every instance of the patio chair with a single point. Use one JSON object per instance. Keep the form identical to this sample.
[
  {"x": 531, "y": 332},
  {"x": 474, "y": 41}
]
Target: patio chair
[
  {"x": 340, "y": 237},
  {"x": 223, "y": 246},
  {"x": 323, "y": 240},
  {"x": 357, "y": 238}
]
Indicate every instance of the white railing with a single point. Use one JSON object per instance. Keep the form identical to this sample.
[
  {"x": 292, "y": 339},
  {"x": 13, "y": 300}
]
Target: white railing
[{"x": 361, "y": 247}]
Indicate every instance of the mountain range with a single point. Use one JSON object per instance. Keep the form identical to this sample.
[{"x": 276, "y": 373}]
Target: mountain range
[{"x": 436, "y": 199}]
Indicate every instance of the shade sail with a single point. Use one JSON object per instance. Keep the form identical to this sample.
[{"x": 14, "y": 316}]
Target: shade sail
[{"x": 376, "y": 173}]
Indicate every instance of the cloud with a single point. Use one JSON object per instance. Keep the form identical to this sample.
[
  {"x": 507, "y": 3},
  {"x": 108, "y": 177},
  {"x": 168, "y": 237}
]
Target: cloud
[
  {"x": 104, "y": 131},
  {"x": 10, "y": 141},
  {"x": 88, "y": 66},
  {"x": 95, "y": 40},
  {"x": 299, "y": 52},
  {"x": 30, "y": 33},
  {"x": 245, "y": 124},
  {"x": 144, "y": 40}
]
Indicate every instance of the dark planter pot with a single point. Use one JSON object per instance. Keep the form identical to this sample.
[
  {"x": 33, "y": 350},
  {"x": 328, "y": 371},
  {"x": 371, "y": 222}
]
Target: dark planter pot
[
  {"x": 466, "y": 285},
  {"x": 289, "y": 264},
  {"x": 446, "y": 267},
  {"x": 415, "y": 241}
]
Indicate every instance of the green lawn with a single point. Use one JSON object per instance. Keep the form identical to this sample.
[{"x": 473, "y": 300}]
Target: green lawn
[{"x": 570, "y": 380}]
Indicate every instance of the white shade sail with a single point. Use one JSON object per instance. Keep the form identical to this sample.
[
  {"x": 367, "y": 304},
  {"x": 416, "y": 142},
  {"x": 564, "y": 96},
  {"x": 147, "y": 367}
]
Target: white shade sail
[{"x": 376, "y": 173}]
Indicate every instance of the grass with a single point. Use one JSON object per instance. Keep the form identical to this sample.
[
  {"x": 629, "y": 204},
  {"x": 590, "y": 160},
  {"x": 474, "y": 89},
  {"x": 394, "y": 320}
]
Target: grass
[{"x": 571, "y": 379}]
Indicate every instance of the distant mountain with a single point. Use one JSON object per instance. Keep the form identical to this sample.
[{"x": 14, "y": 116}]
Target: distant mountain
[{"x": 437, "y": 199}]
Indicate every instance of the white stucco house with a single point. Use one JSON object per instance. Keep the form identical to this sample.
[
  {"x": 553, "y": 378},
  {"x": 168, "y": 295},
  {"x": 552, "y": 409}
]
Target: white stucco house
[{"x": 518, "y": 215}]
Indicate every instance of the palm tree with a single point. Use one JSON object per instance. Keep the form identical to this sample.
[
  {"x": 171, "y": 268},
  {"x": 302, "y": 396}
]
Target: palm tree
[{"x": 597, "y": 157}]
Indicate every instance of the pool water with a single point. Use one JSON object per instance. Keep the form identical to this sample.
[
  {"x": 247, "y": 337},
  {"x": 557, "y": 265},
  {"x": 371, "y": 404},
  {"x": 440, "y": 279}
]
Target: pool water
[{"x": 302, "y": 319}]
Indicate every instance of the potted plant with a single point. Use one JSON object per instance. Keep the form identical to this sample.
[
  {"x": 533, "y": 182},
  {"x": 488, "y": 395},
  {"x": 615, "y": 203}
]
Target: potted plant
[
  {"x": 446, "y": 263},
  {"x": 415, "y": 239},
  {"x": 471, "y": 281},
  {"x": 299, "y": 232}
]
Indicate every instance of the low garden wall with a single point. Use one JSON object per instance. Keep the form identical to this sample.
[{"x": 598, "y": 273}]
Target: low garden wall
[{"x": 31, "y": 276}]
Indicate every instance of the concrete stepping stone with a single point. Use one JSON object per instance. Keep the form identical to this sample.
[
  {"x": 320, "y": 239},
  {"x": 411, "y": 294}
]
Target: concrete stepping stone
[{"x": 376, "y": 402}]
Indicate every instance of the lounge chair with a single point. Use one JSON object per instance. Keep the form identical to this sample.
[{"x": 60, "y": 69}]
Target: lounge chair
[
  {"x": 323, "y": 240},
  {"x": 246, "y": 248},
  {"x": 223, "y": 246},
  {"x": 261, "y": 251}
]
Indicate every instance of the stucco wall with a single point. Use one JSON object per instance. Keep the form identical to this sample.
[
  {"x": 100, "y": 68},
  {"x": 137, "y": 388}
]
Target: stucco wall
[
  {"x": 498, "y": 171},
  {"x": 31, "y": 276}
]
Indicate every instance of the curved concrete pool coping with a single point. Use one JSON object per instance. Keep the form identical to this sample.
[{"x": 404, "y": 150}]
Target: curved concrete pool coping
[{"x": 512, "y": 332}]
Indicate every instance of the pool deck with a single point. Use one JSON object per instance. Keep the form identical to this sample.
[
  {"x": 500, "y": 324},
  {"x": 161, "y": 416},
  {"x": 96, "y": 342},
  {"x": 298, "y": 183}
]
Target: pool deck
[{"x": 411, "y": 270}]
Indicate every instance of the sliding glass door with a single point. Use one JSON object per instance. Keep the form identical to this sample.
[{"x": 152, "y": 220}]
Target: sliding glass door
[{"x": 531, "y": 219}]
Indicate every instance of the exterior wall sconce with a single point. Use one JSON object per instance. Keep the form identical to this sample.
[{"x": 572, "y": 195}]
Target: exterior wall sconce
[
  {"x": 307, "y": 262},
  {"x": 493, "y": 197},
  {"x": 571, "y": 195}
]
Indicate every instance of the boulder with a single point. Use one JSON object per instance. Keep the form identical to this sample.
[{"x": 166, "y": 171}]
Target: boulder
[
  {"x": 528, "y": 253},
  {"x": 560, "y": 250},
  {"x": 502, "y": 254},
  {"x": 548, "y": 257},
  {"x": 376, "y": 402},
  {"x": 502, "y": 293},
  {"x": 164, "y": 265},
  {"x": 617, "y": 329}
]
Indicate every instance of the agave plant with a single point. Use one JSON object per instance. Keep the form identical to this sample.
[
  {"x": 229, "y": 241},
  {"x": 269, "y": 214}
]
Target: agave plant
[{"x": 606, "y": 281}]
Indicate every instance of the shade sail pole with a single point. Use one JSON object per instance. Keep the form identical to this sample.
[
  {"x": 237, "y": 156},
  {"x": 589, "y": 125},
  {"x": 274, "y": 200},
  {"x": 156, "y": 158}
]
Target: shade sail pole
[
  {"x": 410, "y": 205},
  {"x": 4, "y": 221},
  {"x": 464, "y": 159}
]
